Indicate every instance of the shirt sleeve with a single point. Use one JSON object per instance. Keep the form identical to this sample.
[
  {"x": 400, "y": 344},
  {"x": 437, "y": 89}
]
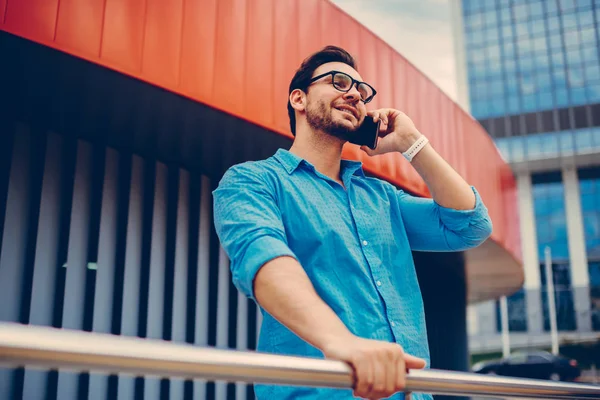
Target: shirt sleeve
[
  {"x": 431, "y": 227},
  {"x": 249, "y": 225}
]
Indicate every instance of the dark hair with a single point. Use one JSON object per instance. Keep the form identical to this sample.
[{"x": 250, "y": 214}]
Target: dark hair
[{"x": 303, "y": 75}]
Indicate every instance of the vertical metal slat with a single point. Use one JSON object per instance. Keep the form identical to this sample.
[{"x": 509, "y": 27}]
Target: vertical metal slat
[
  {"x": 222, "y": 315},
  {"x": 201, "y": 320},
  {"x": 77, "y": 259},
  {"x": 133, "y": 261},
  {"x": 45, "y": 268},
  {"x": 12, "y": 254},
  {"x": 259, "y": 319},
  {"x": 157, "y": 271},
  {"x": 106, "y": 264},
  {"x": 242, "y": 338},
  {"x": 181, "y": 274}
]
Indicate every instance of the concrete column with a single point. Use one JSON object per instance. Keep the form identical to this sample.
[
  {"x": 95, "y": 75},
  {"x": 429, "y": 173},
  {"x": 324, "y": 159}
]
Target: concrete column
[
  {"x": 580, "y": 280},
  {"x": 531, "y": 262}
]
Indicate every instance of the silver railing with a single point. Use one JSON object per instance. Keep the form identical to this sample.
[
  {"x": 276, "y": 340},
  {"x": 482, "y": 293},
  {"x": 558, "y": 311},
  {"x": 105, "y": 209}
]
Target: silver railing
[{"x": 45, "y": 347}]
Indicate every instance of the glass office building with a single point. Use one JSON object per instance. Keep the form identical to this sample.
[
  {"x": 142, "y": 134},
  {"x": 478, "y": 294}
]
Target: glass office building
[{"x": 529, "y": 72}]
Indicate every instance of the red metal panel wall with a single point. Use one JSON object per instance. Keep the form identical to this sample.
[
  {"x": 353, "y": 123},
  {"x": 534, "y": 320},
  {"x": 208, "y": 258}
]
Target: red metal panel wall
[
  {"x": 230, "y": 55},
  {"x": 34, "y": 19},
  {"x": 239, "y": 56},
  {"x": 162, "y": 41},
  {"x": 123, "y": 35},
  {"x": 331, "y": 26},
  {"x": 2, "y": 11},
  {"x": 308, "y": 26},
  {"x": 198, "y": 49},
  {"x": 259, "y": 89},
  {"x": 285, "y": 58},
  {"x": 79, "y": 26}
]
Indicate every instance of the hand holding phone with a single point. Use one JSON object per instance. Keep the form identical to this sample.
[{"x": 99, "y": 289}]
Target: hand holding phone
[{"x": 367, "y": 134}]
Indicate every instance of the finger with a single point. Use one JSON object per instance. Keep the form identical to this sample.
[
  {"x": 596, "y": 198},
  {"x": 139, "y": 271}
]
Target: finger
[
  {"x": 384, "y": 119},
  {"x": 383, "y": 127},
  {"x": 379, "y": 379},
  {"x": 391, "y": 373},
  {"x": 413, "y": 362},
  {"x": 364, "y": 378},
  {"x": 368, "y": 150},
  {"x": 400, "y": 380}
]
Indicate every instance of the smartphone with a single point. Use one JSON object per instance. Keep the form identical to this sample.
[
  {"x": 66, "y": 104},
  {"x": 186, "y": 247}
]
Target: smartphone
[{"x": 367, "y": 134}]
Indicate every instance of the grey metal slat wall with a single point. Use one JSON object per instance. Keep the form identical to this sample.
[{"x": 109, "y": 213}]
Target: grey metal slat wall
[
  {"x": 202, "y": 274},
  {"x": 45, "y": 271},
  {"x": 156, "y": 294},
  {"x": 222, "y": 314},
  {"x": 178, "y": 325},
  {"x": 77, "y": 259},
  {"x": 132, "y": 272},
  {"x": 99, "y": 240},
  {"x": 105, "y": 273},
  {"x": 14, "y": 238}
]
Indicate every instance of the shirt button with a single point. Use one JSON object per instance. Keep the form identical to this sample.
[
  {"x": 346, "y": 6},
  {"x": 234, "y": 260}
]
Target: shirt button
[
  {"x": 378, "y": 283},
  {"x": 365, "y": 243},
  {"x": 393, "y": 324}
]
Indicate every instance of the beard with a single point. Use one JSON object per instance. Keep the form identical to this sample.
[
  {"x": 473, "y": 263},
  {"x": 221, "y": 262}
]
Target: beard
[{"x": 319, "y": 118}]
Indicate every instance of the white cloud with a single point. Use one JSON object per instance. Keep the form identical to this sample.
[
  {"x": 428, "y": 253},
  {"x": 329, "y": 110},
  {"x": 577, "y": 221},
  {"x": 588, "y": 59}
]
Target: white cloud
[{"x": 420, "y": 30}]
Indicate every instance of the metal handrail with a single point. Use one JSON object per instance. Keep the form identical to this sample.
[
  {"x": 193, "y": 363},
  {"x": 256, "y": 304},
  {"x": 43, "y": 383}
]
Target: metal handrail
[{"x": 46, "y": 347}]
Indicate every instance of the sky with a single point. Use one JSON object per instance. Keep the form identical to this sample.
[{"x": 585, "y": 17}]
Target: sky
[{"x": 420, "y": 30}]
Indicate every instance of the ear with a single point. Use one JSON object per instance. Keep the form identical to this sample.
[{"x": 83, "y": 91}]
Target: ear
[{"x": 298, "y": 99}]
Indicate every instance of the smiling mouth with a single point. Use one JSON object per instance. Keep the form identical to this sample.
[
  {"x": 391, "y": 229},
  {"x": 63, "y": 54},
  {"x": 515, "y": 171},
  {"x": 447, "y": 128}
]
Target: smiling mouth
[{"x": 347, "y": 111}]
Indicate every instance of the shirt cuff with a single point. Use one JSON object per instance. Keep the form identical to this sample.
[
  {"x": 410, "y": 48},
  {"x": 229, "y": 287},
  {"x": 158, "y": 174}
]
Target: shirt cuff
[
  {"x": 457, "y": 220},
  {"x": 261, "y": 251}
]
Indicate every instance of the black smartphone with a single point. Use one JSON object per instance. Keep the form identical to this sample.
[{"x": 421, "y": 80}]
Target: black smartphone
[{"x": 367, "y": 134}]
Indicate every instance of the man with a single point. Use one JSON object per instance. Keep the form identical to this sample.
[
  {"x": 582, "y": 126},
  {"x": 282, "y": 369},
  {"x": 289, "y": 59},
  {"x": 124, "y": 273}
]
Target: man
[{"x": 326, "y": 251}]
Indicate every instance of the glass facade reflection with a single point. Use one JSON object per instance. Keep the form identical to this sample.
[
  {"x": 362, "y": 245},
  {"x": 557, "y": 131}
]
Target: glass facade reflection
[
  {"x": 589, "y": 190},
  {"x": 531, "y": 55},
  {"x": 549, "y": 144},
  {"x": 517, "y": 312},
  {"x": 551, "y": 226},
  {"x": 533, "y": 58},
  {"x": 533, "y": 74}
]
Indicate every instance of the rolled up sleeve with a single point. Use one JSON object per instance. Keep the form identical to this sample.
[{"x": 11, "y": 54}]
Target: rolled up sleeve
[
  {"x": 432, "y": 227},
  {"x": 248, "y": 224}
]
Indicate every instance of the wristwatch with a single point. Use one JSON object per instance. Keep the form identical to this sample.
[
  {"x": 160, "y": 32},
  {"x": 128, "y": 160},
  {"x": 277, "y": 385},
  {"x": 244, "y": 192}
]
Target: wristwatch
[{"x": 415, "y": 148}]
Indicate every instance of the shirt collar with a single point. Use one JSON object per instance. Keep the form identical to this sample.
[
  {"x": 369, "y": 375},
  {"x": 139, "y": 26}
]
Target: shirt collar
[{"x": 291, "y": 162}]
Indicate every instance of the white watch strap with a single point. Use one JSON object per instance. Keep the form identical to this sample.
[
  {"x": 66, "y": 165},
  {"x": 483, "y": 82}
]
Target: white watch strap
[{"x": 415, "y": 148}]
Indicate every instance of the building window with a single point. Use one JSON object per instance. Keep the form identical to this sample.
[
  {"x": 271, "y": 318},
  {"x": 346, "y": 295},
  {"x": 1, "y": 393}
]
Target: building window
[
  {"x": 589, "y": 191},
  {"x": 551, "y": 225},
  {"x": 517, "y": 312},
  {"x": 563, "y": 297},
  {"x": 594, "y": 268},
  {"x": 566, "y": 5}
]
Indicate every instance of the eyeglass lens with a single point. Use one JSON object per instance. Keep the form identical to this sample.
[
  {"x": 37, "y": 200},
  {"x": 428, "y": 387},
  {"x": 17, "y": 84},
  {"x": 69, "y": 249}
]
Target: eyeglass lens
[{"x": 343, "y": 82}]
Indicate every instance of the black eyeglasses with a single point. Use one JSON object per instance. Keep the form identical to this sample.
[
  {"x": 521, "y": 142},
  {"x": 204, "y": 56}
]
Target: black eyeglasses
[{"x": 344, "y": 83}]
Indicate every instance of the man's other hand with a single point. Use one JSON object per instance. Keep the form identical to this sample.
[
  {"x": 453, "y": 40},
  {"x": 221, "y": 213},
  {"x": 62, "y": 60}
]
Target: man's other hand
[{"x": 379, "y": 367}]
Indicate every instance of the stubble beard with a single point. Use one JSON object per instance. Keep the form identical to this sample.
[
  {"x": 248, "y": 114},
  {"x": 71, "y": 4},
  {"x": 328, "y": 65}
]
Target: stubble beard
[{"x": 321, "y": 119}]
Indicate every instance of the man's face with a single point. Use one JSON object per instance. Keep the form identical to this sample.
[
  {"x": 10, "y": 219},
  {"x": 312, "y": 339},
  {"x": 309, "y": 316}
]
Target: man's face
[{"x": 330, "y": 110}]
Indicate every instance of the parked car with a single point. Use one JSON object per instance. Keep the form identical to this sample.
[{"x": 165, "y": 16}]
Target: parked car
[{"x": 535, "y": 365}]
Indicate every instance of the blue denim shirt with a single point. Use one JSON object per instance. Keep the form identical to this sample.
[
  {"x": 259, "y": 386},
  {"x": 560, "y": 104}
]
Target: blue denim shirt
[{"x": 354, "y": 244}]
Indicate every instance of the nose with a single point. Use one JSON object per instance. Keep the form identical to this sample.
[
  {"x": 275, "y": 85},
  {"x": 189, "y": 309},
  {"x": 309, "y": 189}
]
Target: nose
[{"x": 352, "y": 95}]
